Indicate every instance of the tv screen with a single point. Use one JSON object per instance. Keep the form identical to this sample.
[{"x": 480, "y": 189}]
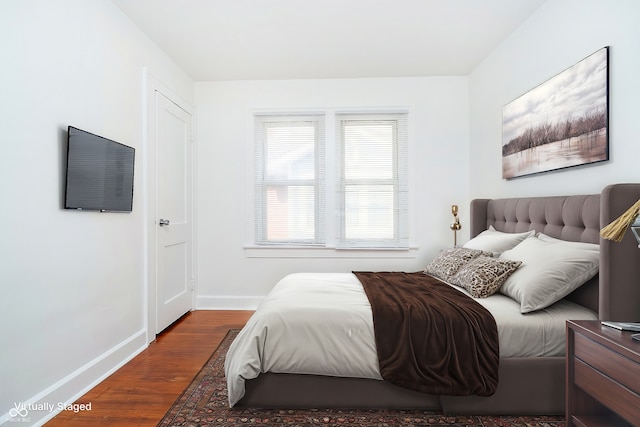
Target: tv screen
[{"x": 99, "y": 173}]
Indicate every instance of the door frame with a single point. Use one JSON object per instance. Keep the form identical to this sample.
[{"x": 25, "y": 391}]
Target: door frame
[{"x": 153, "y": 85}]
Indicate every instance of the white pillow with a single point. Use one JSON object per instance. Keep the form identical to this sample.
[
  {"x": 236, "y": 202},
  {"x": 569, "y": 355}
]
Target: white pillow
[
  {"x": 495, "y": 241},
  {"x": 550, "y": 271},
  {"x": 585, "y": 245}
]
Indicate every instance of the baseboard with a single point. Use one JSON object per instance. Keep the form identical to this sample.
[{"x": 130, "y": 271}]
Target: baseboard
[
  {"x": 220, "y": 302},
  {"x": 60, "y": 396}
]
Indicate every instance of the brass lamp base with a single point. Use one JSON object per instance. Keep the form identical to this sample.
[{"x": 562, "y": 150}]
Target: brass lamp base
[{"x": 456, "y": 224}]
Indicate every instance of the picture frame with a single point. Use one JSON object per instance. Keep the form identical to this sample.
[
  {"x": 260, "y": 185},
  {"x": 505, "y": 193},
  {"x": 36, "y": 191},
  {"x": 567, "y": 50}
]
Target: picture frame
[{"x": 561, "y": 123}]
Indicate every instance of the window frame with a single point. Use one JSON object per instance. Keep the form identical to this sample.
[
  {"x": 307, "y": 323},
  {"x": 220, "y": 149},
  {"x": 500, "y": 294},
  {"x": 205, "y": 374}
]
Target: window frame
[
  {"x": 328, "y": 222},
  {"x": 398, "y": 180},
  {"x": 262, "y": 181}
]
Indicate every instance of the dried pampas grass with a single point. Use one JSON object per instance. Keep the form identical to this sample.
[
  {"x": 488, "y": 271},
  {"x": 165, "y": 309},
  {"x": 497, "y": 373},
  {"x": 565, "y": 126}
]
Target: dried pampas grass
[{"x": 615, "y": 231}]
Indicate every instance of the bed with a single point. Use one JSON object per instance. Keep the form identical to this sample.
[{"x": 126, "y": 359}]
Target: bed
[{"x": 529, "y": 384}]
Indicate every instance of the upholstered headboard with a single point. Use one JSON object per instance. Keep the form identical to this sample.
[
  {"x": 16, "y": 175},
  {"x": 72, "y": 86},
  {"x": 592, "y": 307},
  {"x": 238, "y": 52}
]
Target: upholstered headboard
[{"x": 615, "y": 292}]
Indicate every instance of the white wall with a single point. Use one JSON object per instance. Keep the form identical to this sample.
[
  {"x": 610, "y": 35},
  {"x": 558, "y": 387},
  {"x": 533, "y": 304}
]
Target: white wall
[
  {"x": 559, "y": 34},
  {"x": 73, "y": 293},
  {"x": 438, "y": 151}
]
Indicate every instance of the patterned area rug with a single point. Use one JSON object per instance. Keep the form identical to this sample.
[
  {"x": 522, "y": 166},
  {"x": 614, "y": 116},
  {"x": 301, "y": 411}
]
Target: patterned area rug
[{"x": 204, "y": 403}]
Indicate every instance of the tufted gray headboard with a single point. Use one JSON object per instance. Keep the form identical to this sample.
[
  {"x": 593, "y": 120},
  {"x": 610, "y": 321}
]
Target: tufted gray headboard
[{"x": 615, "y": 292}]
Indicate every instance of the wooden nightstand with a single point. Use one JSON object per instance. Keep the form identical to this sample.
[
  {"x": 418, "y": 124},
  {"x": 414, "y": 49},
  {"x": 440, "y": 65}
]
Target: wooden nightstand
[{"x": 603, "y": 376}]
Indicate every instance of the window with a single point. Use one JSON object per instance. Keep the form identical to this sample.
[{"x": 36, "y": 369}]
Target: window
[
  {"x": 372, "y": 183},
  {"x": 289, "y": 180},
  {"x": 367, "y": 203}
]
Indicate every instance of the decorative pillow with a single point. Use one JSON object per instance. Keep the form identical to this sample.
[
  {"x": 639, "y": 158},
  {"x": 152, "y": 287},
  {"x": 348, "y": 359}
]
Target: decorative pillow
[
  {"x": 449, "y": 261},
  {"x": 495, "y": 241},
  {"x": 483, "y": 276},
  {"x": 550, "y": 271}
]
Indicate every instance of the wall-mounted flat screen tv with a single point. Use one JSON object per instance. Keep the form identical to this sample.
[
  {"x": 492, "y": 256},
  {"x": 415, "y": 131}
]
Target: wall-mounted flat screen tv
[{"x": 99, "y": 173}]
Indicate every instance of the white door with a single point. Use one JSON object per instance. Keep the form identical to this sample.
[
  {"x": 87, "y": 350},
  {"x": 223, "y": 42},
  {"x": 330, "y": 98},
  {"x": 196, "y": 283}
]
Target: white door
[{"x": 174, "y": 228}]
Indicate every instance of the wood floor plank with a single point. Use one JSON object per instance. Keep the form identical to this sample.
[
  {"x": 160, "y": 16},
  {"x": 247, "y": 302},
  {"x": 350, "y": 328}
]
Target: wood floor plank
[{"x": 143, "y": 390}]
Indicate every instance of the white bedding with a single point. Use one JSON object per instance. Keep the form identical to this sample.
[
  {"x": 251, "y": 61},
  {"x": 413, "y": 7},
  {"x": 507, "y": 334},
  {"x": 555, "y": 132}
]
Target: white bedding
[{"x": 321, "y": 323}]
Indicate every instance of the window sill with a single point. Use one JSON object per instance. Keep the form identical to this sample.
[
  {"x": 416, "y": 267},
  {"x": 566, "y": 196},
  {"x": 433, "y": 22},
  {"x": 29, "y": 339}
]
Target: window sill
[{"x": 327, "y": 252}]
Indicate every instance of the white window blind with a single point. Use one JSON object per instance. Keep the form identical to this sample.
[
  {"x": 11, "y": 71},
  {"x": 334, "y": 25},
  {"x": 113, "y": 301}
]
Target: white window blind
[
  {"x": 289, "y": 205},
  {"x": 372, "y": 159}
]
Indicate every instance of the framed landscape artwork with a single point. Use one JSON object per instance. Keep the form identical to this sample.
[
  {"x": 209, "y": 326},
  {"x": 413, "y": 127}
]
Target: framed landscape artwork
[{"x": 561, "y": 123}]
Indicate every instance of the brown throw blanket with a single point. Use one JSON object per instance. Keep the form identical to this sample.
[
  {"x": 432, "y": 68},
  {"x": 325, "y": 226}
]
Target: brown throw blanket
[{"x": 430, "y": 337}]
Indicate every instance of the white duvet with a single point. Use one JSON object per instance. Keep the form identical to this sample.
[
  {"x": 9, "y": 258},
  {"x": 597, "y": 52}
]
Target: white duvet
[{"x": 321, "y": 324}]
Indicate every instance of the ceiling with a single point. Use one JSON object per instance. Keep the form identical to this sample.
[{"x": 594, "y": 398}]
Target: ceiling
[{"x": 306, "y": 39}]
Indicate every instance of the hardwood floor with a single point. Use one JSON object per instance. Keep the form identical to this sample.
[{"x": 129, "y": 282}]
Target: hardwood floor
[{"x": 141, "y": 392}]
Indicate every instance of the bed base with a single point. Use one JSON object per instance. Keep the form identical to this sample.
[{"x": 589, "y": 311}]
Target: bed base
[{"x": 534, "y": 387}]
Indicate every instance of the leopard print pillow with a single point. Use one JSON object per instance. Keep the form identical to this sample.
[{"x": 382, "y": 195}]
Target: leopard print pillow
[
  {"x": 483, "y": 275},
  {"x": 449, "y": 261}
]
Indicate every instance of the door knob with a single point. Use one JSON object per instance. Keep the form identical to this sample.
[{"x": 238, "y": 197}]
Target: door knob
[{"x": 164, "y": 222}]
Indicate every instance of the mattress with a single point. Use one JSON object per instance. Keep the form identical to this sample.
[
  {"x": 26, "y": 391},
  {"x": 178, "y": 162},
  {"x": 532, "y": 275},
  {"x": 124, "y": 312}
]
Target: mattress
[{"x": 321, "y": 324}]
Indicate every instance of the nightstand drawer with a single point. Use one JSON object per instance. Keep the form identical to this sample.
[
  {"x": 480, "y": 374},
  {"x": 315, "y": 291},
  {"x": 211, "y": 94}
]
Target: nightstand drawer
[
  {"x": 619, "y": 399},
  {"x": 610, "y": 363}
]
